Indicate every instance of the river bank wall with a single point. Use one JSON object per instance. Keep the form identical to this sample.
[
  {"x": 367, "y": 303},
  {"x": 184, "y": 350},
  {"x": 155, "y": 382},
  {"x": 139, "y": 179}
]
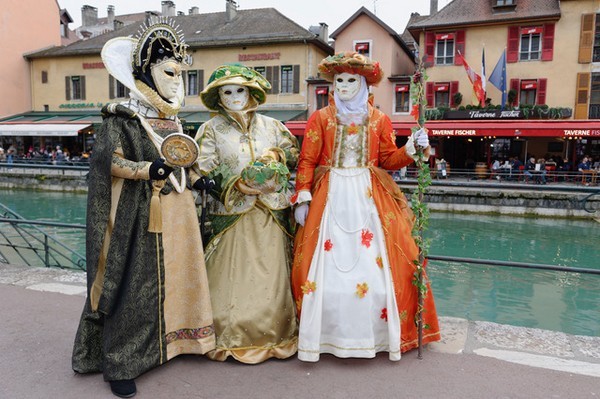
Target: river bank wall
[{"x": 521, "y": 199}]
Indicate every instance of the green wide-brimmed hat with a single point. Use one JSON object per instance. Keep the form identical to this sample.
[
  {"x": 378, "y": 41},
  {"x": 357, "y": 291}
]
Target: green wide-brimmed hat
[{"x": 234, "y": 74}]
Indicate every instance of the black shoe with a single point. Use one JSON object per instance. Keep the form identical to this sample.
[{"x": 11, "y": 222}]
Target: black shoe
[{"x": 123, "y": 388}]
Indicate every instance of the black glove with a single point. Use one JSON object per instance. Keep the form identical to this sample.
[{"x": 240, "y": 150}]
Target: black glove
[
  {"x": 204, "y": 183},
  {"x": 159, "y": 170}
]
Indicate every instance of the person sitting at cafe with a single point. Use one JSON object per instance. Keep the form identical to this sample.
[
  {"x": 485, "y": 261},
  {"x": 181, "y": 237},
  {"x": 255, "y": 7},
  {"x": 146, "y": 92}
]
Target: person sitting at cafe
[
  {"x": 536, "y": 171},
  {"x": 585, "y": 166}
]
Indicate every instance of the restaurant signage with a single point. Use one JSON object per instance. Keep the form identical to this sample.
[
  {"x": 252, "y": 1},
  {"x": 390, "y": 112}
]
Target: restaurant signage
[
  {"x": 258, "y": 57},
  {"x": 581, "y": 132},
  {"x": 453, "y": 132},
  {"x": 484, "y": 114},
  {"x": 92, "y": 65}
]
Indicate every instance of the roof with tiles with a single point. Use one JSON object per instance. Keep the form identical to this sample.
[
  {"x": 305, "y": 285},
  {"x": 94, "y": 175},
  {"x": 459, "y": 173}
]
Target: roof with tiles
[
  {"x": 478, "y": 12},
  {"x": 248, "y": 27}
]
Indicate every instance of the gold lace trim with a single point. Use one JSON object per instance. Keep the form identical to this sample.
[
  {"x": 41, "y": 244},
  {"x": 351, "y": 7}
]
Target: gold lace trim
[{"x": 156, "y": 100}]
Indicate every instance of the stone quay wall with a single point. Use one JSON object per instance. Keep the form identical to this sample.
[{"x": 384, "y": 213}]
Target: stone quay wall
[{"x": 522, "y": 200}]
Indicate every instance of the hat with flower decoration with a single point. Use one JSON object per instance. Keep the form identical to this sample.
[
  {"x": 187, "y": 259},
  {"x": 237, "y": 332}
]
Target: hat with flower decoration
[
  {"x": 353, "y": 63},
  {"x": 234, "y": 74}
]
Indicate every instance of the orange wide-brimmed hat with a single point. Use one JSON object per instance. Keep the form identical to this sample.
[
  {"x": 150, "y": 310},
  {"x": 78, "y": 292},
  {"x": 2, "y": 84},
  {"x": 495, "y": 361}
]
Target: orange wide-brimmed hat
[{"x": 351, "y": 62}]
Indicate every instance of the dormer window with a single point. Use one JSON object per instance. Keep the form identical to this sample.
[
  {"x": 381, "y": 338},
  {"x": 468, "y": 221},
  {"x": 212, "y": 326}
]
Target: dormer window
[{"x": 504, "y": 5}]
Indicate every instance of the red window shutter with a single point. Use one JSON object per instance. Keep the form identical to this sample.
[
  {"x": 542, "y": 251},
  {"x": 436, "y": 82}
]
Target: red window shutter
[
  {"x": 548, "y": 42},
  {"x": 429, "y": 94},
  {"x": 459, "y": 45},
  {"x": 512, "y": 51},
  {"x": 541, "y": 91},
  {"x": 429, "y": 48},
  {"x": 453, "y": 89},
  {"x": 515, "y": 85}
]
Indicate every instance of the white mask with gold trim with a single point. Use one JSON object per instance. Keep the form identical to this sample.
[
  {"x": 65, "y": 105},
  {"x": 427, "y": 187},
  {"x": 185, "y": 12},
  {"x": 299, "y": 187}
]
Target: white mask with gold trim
[
  {"x": 234, "y": 97},
  {"x": 346, "y": 85},
  {"x": 167, "y": 78}
]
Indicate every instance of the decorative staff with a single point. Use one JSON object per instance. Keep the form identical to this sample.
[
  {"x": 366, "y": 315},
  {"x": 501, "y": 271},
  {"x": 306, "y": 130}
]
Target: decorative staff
[{"x": 417, "y": 93}]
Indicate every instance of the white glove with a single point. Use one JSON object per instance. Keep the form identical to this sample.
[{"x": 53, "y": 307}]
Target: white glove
[
  {"x": 420, "y": 137},
  {"x": 300, "y": 213}
]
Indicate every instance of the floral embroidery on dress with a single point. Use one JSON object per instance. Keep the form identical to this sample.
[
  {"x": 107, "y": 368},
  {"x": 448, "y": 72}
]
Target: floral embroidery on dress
[
  {"x": 389, "y": 217},
  {"x": 366, "y": 237},
  {"x": 362, "y": 289},
  {"x": 383, "y": 315},
  {"x": 309, "y": 287},
  {"x": 301, "y": 177},
  {"x": 403, "y": 315},
  {"x": 299, "y": 304},
  {"x": 190, "y": 333},
  {"x": 328, "y": 245},
  {"x": 312, "y": 135},
  {"x": 331, "y": 123},
  {"x": 379, "y": 261},
  {"x": 352, "y": 129},
  {"x": 232, "y": 161}
]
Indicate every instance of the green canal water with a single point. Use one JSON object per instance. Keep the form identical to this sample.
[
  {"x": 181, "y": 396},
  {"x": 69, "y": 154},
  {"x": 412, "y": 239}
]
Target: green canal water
[{"x": 559, "y": 301}]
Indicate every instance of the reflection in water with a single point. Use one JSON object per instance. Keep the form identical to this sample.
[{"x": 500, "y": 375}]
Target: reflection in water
[{"x": 549, "y": 300}]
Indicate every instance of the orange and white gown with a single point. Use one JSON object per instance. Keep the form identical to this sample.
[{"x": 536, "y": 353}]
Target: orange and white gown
[{"x": 353, "y": 259}]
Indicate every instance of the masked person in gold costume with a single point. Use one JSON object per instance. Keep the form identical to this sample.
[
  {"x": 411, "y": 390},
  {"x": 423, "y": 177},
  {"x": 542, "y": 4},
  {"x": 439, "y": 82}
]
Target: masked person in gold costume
[
  {"x": 248, "y": 155},
  {"x": 148, "y": 298}
]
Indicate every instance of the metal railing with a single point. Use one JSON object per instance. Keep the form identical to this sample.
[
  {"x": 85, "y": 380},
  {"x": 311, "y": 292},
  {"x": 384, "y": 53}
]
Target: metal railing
[
  {"x": 21, "y": 241},
  {"x": 39, "y": 168}
]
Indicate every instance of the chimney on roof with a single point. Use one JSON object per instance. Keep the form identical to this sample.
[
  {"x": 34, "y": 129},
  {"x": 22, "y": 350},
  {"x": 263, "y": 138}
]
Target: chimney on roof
[
  {"x": 168, "y": 9},
  {"x": 194, "y": 11},
  {"x": 89, "y": 16},
  {"x": 324, "y": 32},
  {"x": 433, "y": 7},
  {"x": 230, "y": 9},
  {"x": 110, "y": 12}
]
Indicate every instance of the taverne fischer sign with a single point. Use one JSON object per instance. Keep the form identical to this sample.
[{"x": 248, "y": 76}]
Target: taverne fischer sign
[{"x": 484, "y": 114}]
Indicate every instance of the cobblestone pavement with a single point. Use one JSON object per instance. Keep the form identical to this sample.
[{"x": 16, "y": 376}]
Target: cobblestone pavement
[{"x": 41, "y": 307}]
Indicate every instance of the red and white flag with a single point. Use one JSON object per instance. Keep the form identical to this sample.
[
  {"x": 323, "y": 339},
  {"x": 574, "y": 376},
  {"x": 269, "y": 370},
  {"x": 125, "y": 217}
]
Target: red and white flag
[{"x": 476, "y": 81}]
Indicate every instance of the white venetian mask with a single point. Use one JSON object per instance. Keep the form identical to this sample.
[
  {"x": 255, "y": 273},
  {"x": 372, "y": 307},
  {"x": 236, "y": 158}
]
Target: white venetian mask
[
  {"x": 167, "y": 78},
  {"x": 346, "y": 85},
  {"x": 234, "y": 97}
]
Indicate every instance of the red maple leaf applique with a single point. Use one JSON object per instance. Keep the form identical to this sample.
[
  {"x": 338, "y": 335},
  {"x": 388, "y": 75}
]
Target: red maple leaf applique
[
  {"x": 366, "y": 237},
  {"x": 328, "y": 245},
  {"x": 383, "y": 315}
]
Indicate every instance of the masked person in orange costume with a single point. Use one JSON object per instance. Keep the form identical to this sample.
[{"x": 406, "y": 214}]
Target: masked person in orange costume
[{"x": 352, "y": 274}]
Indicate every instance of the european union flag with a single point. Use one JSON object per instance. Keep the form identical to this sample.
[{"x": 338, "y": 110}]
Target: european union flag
[{"x": 498, "y": 77}]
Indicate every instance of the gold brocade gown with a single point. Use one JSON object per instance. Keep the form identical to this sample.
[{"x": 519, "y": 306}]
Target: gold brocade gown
[{"x": 248, "y": 262}]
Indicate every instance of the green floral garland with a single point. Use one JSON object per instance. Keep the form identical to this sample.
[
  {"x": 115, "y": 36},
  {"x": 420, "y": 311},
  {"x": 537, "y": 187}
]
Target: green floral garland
[{"x": 417, "y": 95}]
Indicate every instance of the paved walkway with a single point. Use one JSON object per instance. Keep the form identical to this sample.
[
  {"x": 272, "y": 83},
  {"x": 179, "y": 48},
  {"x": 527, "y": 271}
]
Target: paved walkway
[{"x": 40, "y": 310}]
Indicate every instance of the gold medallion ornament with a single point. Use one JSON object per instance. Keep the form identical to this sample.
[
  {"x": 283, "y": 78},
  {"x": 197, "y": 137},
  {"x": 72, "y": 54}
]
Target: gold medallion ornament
[{"x": 179, "y": 150}]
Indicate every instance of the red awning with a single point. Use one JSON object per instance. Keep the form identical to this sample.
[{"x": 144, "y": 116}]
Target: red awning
[
  {"x": 322, "y": 90},
  {"x": 362, "y": 47},
  {"x": 531, "y": 30},
  {"x": 528, "y": 84},
  {"x": 463, "y": 128},
  {"x": 444, "y": 36},
  {"x": 402, "y": 88},
  {"x": 442, "y": 87}
]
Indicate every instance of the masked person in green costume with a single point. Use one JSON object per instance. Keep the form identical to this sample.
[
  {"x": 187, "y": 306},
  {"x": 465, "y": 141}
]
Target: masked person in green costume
[{"x": 249, "y": 156}]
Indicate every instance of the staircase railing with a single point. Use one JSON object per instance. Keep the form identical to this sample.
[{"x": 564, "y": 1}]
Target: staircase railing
[{"x": 23, "y": 242}]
